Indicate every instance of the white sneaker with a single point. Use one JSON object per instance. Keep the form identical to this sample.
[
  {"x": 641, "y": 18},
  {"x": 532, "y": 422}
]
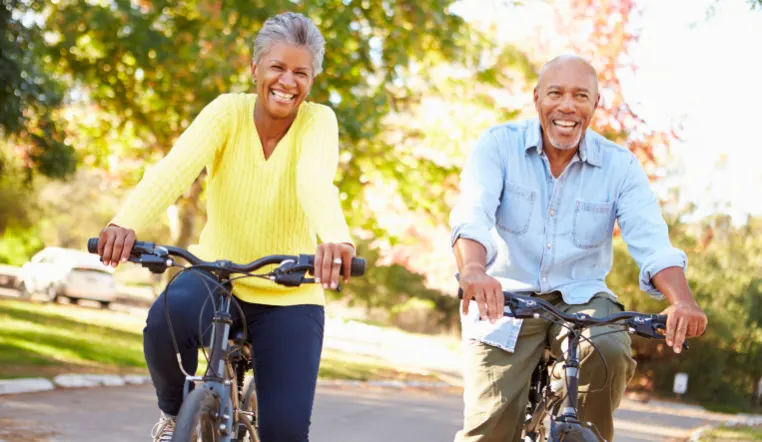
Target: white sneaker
[{"x": 162, "y": 431}]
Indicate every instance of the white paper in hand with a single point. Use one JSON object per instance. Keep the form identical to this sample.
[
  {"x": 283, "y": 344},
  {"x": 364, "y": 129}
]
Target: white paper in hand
[{"x": 502, "y": 334}]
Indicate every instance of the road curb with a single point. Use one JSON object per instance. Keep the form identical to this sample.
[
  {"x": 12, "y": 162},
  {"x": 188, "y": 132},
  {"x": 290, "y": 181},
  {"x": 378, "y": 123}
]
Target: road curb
[
  {"x": 28, "y": 385},
  {"x": 66, "y": 381}
]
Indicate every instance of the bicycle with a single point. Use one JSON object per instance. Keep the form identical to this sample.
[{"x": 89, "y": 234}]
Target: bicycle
[
  {"x": 222, "y": 408},
  {"x": 545, "y": 399}
]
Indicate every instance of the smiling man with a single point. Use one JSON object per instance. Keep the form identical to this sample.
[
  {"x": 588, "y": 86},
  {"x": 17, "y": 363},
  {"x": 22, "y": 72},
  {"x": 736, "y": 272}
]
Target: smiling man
[{"x": 538, "y": 204}]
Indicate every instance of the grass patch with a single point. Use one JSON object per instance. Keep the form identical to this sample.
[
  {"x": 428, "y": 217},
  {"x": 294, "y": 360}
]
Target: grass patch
[
  {"x": 338, "y": 365},
  {"x": 49, "y": 339},
  {"x": 733, "y": 434}
]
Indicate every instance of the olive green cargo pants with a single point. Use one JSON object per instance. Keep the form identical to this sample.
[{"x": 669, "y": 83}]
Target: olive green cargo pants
[{"x": 497, "y": 382}]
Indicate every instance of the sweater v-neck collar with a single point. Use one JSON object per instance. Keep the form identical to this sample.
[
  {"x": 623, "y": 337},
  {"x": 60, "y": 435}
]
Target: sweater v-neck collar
[{"x": 282, "y": 144}]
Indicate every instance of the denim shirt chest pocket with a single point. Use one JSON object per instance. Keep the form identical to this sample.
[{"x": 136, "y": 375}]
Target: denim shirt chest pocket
[
  {"x": 516, "y": 208},
  {"x": 593, "y": 223}
]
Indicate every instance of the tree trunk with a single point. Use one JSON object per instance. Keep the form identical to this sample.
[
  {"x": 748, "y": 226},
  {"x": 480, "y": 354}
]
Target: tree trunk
[
  {"x": 182, "y": 223},
  {"x": 189, "y": 210}
]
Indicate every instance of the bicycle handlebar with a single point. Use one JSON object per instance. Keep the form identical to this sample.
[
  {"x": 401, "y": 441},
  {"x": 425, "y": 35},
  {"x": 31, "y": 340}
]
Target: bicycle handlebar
[
  {"x": 641, "y": 324},
  {"x": 156, "y": 258}
]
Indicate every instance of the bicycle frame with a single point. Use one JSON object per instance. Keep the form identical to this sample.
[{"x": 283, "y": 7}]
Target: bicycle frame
[
  {"x": 224, "y": 375},
  {"x": 542, "y": 402},
  {"x": 227, "y": 369}
]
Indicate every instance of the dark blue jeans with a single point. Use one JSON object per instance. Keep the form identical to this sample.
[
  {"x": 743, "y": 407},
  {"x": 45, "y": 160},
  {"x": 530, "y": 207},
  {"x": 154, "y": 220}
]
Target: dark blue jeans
[{"x": 286, "y": 343}]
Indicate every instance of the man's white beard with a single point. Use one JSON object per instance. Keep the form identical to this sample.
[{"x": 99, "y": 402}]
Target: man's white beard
[{"x": 561, "y": 146}]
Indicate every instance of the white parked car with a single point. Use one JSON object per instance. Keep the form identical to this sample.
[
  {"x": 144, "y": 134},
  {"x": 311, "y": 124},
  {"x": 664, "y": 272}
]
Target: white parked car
[{"x": 57, "y": 272}]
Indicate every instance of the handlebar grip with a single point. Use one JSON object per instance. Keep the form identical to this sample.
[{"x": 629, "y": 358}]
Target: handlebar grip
[
  {"x": 92, "y": 245},
  {"x": 357, "y": 267},
  {"x": 138, "y": 247}
]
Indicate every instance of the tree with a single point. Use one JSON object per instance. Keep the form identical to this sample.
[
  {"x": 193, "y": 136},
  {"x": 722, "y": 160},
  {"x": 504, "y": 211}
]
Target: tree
[
  {"x": 723, "y": 272},
  {"x": 29, "y": 96},
  {"x": 152, "y": 66},
  {"x": 495, "y": 87}
]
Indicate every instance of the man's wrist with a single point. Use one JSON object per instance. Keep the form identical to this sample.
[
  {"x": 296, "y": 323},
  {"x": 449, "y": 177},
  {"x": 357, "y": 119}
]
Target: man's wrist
[
  {"x": 686, "y": 301},
  {"x": 474, "y": 266}
]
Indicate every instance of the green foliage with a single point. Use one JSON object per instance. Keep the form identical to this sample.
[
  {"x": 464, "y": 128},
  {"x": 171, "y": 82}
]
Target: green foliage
[
  {"x": 155, "y": 64},
  {"x": 724, "y": 274},
  {"x": 402, "y": 294},
  {"x": 16, "y": 194},
  {"x": 19, "y": 244},
  {"x": 29, "y": 95}
]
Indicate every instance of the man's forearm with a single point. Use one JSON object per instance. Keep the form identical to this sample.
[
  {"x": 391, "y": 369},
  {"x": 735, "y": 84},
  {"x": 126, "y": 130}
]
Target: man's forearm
[
  {"x": 672, "y": 283},
  {"x": 470, "y": 254}
]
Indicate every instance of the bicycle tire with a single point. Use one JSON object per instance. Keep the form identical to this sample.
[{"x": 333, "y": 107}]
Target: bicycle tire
[
  {"x": 250, "y": 404},
  {"x": 200, "y": 407},
  {"x": 576, "y": 434},
  {"x": 584, "y": 435}
]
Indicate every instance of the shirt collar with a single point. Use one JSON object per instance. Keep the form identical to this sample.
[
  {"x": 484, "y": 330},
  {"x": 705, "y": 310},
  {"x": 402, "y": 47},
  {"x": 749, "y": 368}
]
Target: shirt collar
[{"x": 589, "y": 152}]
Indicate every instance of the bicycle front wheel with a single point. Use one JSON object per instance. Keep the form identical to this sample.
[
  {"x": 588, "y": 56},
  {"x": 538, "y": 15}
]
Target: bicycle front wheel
[
  {"x": 197, "y": 421},
  {"x": 572, "y": 433},
  {"x": 250, "y": 405}
]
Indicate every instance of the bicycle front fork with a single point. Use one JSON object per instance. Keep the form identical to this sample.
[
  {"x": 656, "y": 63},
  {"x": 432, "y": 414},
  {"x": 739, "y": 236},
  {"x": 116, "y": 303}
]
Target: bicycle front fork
[{"x": 571, "y": 379}]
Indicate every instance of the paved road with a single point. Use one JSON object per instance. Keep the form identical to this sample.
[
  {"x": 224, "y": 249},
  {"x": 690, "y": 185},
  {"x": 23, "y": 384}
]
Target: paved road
[{"x": 352, "y": 414}]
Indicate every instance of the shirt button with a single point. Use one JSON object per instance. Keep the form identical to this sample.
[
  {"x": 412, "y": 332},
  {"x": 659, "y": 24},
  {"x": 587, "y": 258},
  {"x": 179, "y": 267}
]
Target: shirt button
[
  {"x": 550, "y": 246},
  {"x": 552, "y": 212},
  {"x": 544, "y": 279}
]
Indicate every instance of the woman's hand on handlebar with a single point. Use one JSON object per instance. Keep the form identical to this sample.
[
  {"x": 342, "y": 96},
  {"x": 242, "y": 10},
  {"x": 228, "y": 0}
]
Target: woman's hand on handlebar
[
  {"x": 115, "y": 244},
  {"x": 329, "y": 259}
]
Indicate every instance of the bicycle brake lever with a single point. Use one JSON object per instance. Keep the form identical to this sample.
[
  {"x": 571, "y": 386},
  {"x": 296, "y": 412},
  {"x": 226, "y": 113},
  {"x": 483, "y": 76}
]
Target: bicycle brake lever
[
  {"x": 155, "y": 264},
  {"x": 288, "y": 279},
  {"x": 646, "y": 327},
  {"x": 521, "y": 308},
  {"x": 312, "y": 281}
]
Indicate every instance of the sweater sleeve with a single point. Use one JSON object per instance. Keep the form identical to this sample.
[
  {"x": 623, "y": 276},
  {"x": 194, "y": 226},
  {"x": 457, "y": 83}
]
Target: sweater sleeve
[
  {"x": 163, "y": 183},
  {"x": 316, "y": 169}
]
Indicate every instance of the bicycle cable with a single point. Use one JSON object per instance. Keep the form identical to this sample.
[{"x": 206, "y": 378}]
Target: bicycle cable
[
  {"x": 589, "y": 341},
  {"x": 183, "y": 269},
  {"x": 198, "y": 270}
]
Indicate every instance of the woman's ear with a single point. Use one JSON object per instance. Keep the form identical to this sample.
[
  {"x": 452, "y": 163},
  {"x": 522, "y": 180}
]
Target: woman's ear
[{"x": 253, "y": 70}]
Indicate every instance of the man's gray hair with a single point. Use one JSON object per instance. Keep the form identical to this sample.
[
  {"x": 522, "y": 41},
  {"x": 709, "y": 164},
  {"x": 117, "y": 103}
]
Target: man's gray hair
[{"x": 292, "y": 28}]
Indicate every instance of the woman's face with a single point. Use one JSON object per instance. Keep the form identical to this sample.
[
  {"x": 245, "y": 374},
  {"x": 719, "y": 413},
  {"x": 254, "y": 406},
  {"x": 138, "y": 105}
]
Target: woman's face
[{"x": 284, "y": 78}]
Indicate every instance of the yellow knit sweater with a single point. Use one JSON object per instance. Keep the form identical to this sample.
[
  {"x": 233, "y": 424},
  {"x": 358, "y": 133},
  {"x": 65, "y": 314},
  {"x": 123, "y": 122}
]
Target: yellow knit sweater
[{"x": 255, "y": 206}]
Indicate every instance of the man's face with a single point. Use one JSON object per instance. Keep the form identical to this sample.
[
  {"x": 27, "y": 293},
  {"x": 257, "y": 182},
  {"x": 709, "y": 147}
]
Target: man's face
[{"x": 566, "y": 97}]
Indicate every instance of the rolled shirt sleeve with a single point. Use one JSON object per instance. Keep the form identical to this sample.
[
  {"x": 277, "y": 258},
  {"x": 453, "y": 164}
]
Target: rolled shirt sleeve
[
  {"x": 644, "y": 230},
  {"x": 481, "y": 184}
]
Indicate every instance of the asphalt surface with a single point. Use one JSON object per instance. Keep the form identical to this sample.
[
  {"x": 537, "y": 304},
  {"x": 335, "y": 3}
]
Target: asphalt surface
[{"x": 358, "y": 414}]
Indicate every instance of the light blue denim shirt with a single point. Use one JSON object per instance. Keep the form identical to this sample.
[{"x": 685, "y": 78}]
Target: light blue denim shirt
[{"x": 543, "y": 233}]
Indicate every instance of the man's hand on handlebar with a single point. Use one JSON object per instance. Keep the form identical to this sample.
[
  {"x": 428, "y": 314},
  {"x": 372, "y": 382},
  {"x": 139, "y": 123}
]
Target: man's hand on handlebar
[
  {"x": 329, "y": 259},
  {"x": 685, "y": 319},
  {"x": 485, "y": 290},
  {"x": 115, "y": 244}
]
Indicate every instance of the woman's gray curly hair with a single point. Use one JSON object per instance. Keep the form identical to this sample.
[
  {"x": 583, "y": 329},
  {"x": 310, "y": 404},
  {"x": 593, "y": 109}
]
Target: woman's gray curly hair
[{"x": 292, "y": 28}]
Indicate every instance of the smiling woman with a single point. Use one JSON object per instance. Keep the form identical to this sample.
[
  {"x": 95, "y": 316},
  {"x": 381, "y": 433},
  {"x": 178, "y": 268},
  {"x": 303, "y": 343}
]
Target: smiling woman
[{"x": 271, "y": 158}]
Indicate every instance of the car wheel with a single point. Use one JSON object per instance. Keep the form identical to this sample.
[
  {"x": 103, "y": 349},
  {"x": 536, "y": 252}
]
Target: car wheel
[
  {"x": 24, "y": 292},
  {"x": 105, "y": 304},
  {"x": 52, "y": 294}
]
